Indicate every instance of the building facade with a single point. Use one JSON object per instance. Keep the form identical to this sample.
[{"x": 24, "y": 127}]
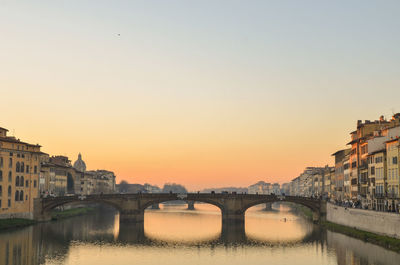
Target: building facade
[{"x": 19, "y": 176}]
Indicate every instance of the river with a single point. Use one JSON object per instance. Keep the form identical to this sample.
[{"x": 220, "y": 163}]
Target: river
[{"x": 174, "y": 235}]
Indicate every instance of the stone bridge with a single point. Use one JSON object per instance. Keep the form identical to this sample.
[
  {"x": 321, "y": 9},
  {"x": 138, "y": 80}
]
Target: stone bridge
[{"x": 132, "y": 206}]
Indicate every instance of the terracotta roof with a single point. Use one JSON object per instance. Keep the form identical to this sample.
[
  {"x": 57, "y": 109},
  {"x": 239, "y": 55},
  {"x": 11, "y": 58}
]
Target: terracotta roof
[
  {"x": 338, "y": 152},
  {"x": 392, "y": 140},
  {"x": 11, "y": 140},
  {"x": 377, "y": 151},
  {"x": 14, "y": 140},
  {"x": 352, "y": 142}
]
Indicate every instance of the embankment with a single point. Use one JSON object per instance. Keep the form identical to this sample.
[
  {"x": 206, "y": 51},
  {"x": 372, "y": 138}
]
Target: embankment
[{"x": 381, "y": 223}]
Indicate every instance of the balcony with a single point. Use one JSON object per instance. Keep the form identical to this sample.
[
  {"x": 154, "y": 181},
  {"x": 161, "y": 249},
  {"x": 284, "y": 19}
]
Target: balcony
[{"x": 392, "y": 195}]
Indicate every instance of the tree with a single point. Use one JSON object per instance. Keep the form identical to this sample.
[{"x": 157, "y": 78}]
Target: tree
[
  {"x": 123, "y": 186},
  {"x": 175, "y": 188}
]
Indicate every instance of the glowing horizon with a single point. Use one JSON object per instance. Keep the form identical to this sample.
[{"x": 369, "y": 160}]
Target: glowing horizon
[{"x": 203, "y": 94}]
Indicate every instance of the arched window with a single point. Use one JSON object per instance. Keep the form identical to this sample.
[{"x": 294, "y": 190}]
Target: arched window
[
  {"x": 17, "y": 181},
  {"x": 22, "y": 167},
  {"x": 10, "y": 163},
  {"x": 17, "y": 167},
  {"x": 17, "y": 196},
  {"x": 9, "y": 176},
  {"x": 9, "y": 191},
  {"x": 27, "y": 168},
  {"x": 21, "y": 195},
  {"x": 21, "y": 181}
]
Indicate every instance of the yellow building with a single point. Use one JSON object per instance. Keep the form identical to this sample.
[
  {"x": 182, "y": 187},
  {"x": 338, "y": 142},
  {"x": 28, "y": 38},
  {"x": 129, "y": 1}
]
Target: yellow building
[
  {"x": 393, "y": 182},
  {"x": 19, "y": 176},
  {"x": 377, "y": 176}
]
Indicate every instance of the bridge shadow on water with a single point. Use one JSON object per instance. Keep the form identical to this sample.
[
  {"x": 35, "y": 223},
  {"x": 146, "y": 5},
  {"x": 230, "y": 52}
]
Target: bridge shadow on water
[{"x": 134, "y": 234}]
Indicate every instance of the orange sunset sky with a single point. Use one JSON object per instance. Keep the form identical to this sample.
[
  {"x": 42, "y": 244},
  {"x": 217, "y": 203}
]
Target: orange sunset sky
[{"x": 204, "y": 94}]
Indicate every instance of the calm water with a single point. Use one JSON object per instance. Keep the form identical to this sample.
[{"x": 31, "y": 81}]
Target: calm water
[{"x": 174, "y": 235}]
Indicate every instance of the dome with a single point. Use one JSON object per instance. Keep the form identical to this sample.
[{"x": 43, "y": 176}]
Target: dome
[{"x": 80, "y": 164}]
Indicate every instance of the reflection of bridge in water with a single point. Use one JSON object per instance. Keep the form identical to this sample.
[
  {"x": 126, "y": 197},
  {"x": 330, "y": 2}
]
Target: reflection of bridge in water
[
  {"x": 230, "y": 235},
  {"x": 132, "y": 206}
]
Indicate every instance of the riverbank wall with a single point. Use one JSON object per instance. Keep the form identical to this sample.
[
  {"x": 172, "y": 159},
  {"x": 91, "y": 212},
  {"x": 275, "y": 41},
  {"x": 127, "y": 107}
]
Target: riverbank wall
[{"x": 381, "y": 223}]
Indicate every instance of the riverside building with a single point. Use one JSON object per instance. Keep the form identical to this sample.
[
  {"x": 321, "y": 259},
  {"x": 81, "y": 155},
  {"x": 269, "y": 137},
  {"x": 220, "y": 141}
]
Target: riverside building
[{"x": 19, "y": 176}]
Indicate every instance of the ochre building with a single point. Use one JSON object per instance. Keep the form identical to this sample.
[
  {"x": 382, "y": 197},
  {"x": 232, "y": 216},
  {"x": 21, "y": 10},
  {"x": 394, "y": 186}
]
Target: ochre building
[{"x": 19, "y": 176}]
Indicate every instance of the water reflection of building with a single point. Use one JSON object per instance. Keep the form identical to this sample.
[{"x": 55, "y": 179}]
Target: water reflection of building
[
  {"x": 20, "y": 247},
  {"x": 351, "y": 251}
]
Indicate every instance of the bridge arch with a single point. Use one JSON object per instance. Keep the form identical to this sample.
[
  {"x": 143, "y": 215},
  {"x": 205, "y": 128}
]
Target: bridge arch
[
  {"x": 73, "y": 200},
  {"x": 313, "y": 205},
  {"x": 203, "y": 200}
]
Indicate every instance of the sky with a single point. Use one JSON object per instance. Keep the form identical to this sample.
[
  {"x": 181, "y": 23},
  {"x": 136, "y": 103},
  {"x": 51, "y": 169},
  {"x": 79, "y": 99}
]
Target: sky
[{"x": 202, "y": 93}]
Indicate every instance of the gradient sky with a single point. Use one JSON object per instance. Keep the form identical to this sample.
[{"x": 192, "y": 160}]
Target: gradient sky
[{"x": 203, "y": 93}]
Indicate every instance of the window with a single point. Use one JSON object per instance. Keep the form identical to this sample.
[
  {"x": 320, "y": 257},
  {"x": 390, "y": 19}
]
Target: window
[
  {"x": 394, "y": 160},
  {"x": 26, "y": 183},
  {"x": 17, "y": 196},
  {"x": 35, "y": 170},
  {"x": 354, "y": 164},
  {"x": 1, "y": 191},
  {"x": 22, "y": 167},
  {"x": 364, "y": 149},
  {"x": 17, "y": 181},
  {"x": 1, "y": 162},
  {"x": 9, "y": 203},
  {"x": 0, "y": 202},
  {"x": 9, "y": 176},
  {"x": 21, "y": 181},
  {"x": 372, "y": 170},
  {"x": 21, "y": 195},
  {"x": 34, "y": 183},
  {"x": 27, "y": 169},
  {"x": 17, "y": 167},
  {"x": 26, "y": 197},
  {"x": 1, "y": 175},
  {"x": 10, "y": 163}
]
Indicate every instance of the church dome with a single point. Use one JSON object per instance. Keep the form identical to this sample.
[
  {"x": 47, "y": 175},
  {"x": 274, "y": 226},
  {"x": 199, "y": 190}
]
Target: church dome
[{"x": 80, "y": 164}]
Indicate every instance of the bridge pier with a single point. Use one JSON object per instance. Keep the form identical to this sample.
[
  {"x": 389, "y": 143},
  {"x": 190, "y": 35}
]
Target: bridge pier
[
  {"x": 131, "y": 217},
  {"x": 268, "y": 206},
  {"x": 40, "y": 214},
  {"x": 233, "y": 219},
  {"x": 190, "y": 205},
  {"x": 233, "y": 233},
  {"x": 155, "y": 206},
  {"x": 131, "y": 232}
]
